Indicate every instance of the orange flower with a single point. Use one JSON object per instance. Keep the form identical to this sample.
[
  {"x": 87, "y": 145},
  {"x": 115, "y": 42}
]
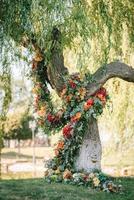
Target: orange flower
[
  {"x": 63, "y": 92},
  {"x": 42, "y": 111},
  {"x": 60, "y": 145},
  {"x": 102, "y": 98},
  {"x": 67, "y": 174},
  {"x": 36, "y": 88},
  {"x": 38, "y": 57},
  {"x": 69, "y": 97},
  {"x": 76, "y": 117},
  {"x": 88, "y": 104}
]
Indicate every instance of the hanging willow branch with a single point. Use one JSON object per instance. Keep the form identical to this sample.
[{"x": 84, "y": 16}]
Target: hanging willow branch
[
  {"x": 103, "y": 22},
  {"x": 5, "y": 85}
]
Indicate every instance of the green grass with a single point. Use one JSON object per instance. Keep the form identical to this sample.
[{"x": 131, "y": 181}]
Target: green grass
[{"x": 37, "y": 189}]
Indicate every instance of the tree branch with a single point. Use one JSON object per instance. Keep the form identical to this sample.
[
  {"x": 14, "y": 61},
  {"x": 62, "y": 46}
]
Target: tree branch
[
  {"x": 56, "y": 70},
  {"x": 114, "y": 69}
]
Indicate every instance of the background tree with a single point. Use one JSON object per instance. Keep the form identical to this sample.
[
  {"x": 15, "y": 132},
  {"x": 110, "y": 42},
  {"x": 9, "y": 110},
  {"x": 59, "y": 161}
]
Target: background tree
[
  {"x": 5, "y": 83},
  {"x": 98, "y": 28},
  {"x": 16, "y": 126}
]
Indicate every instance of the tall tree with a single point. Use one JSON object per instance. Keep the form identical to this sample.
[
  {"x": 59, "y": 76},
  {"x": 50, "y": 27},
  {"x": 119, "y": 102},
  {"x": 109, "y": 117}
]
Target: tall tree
[{"x": 49, "y": 27}]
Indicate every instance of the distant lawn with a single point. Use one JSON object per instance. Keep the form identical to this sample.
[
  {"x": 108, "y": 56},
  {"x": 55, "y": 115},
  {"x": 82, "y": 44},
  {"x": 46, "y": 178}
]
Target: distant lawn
[
  {"x": 37, "y": 189},
  {"x": 110, "y": 157},
  {"x": 14, "y": 155},
  {"x": 26, "y": 152}
]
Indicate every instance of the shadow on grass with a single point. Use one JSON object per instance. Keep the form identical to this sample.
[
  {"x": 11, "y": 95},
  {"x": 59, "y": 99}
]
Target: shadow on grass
[{"x": 38, "y": 189}]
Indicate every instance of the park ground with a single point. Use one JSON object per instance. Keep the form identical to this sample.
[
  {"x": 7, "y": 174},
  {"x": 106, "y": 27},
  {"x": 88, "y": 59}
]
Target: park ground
[
  {"x": 38, "y": 189},
  {"x": 19, "y": 165},
  {"x": 29, "y": 186}
]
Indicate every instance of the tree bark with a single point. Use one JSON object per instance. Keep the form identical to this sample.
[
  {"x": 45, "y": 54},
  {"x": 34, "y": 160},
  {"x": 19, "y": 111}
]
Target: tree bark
[
  {"x": 57, "y": 70},
  {"x": 89, "y": 158},
  {"x": 111, "y": 70}
]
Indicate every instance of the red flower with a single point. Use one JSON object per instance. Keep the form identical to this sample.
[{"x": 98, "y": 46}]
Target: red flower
[
  {"x": 72, "y": 84},
  {"x": 50, "y": 118},
  {"x": 76, "y": 117},
  {"x": 85, "y": 178},
  {"x": 101, "y": 92},
  {"x": 67, "y": 131},
  {"x": 53, "y": 119},
  {"x": 88, "y": 104}
]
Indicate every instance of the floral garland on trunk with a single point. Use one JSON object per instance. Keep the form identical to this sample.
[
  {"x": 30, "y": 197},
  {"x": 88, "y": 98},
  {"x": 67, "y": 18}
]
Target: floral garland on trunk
[{"x": 73, "y": 119}]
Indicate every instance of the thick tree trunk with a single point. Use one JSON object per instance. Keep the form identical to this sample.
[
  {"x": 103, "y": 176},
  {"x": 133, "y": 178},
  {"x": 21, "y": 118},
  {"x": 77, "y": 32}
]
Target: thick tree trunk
[{"x": 89, "y": 157}]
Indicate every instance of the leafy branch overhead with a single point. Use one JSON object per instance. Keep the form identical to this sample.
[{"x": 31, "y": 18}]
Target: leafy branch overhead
[{"x": 79, "y": 21}]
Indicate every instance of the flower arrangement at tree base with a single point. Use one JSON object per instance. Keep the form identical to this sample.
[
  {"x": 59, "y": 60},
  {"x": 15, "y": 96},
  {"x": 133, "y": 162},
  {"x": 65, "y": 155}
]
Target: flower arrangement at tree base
[{"x": 96, "y": 180}]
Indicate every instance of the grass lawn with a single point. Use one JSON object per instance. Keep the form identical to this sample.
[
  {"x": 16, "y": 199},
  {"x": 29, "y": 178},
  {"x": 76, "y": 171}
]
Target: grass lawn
[{"x": 37, "y": 189}]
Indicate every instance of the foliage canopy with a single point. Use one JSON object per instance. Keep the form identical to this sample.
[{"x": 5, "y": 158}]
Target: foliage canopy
[{"x": 79, "y": 21}]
